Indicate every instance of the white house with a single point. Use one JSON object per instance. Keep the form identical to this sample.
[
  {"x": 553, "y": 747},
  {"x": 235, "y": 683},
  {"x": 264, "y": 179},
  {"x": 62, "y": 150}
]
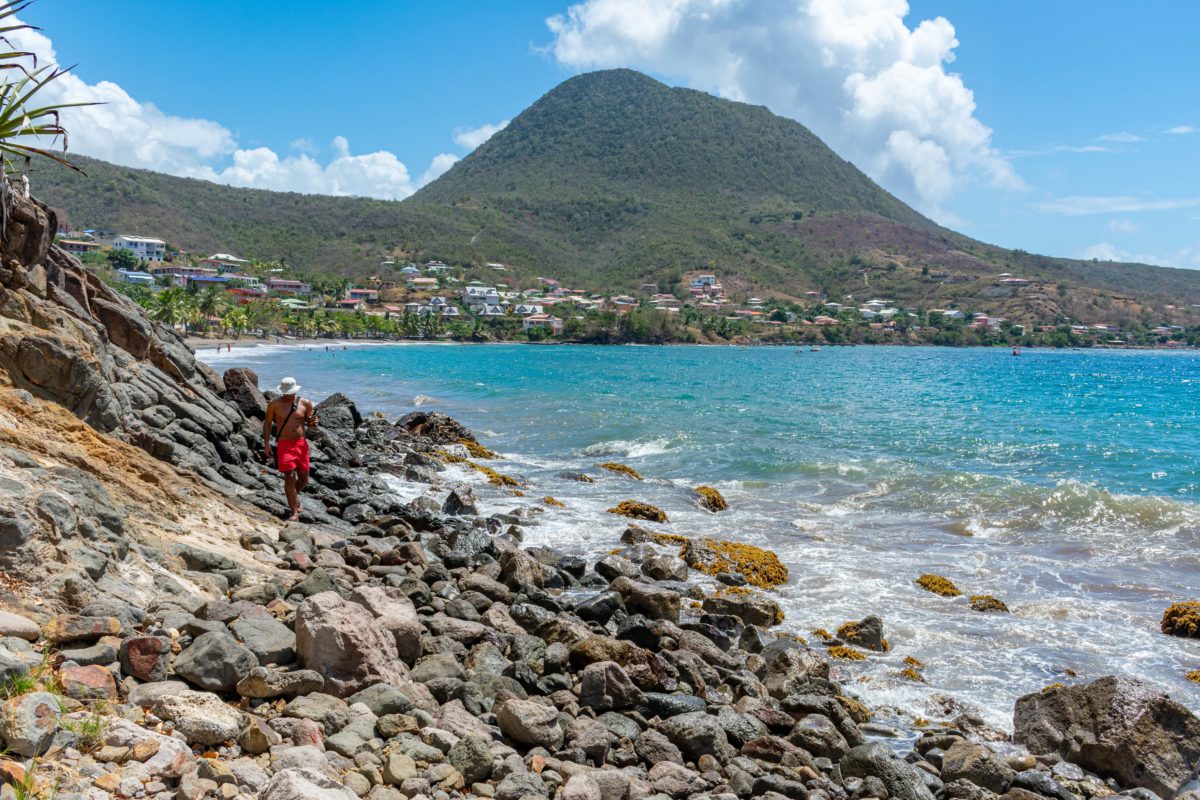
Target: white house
[
  {"x": 137, "y": 278},
  {"x": 526, "y": 309},
  {"x": 224, "y": 262},
  {"x": 146, "y": 248},
  {"x": 542, "y": 321}
]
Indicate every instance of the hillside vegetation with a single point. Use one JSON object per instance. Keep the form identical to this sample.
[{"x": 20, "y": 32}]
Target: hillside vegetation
[{"x": 612, "y": 180}]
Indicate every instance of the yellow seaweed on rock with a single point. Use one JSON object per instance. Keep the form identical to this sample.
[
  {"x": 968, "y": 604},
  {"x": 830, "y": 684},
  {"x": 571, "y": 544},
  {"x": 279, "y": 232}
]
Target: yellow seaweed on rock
[
  {"x": 986, "y": 603},
  {"x": 938, "y": 585},
  {"x": 494, "y": 478},
  {"x": 449, "y": 458},
  {"x": 910, "y": 674},
  {"x": 711, "y": 499},
  {"x": 1193, "y": 676},
  {"x": 477, "y": 450},
  {"x": 858, "y": 711},
  {"x": 635, "y": 510},
  {"x": 821, "y": 633},
  {"x": 761, "y": 568},
  {"x": 845, "y": 653},
  {"x": 550, "y": 501},
  {"x": 1182, "y": 619},
  {"x": 612, "y": 466},
  {"x": 910, "y": 661}
]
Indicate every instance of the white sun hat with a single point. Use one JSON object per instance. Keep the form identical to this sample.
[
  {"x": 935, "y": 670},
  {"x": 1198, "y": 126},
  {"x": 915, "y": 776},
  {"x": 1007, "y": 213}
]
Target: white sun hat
[{"x": 287, "y": 386}]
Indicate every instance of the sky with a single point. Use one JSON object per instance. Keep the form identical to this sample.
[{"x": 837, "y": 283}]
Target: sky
[{"x": 1067, "y": 128}]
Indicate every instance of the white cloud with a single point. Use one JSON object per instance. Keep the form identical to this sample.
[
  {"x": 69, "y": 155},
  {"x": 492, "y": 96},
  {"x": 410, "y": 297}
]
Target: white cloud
[
  {"x": 1179, "y": 130},
  {"x": 126, "y": 131},
  {"x": 473, "y": 137},
  {"x": 876, "y": 90},
  {"x": 1122, "y": 225},
  {"x": 1058, "y": 148},
  {"x": 1183, "y": 258},
  {"x": 1123, "y": 136},
  {"x": 441, "y": 163},
  {"x": 1083, "y": 205}
]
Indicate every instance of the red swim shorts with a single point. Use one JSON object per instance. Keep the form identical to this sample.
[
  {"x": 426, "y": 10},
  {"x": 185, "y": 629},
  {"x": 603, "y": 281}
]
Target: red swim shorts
[{"x": 292, "y": 454}]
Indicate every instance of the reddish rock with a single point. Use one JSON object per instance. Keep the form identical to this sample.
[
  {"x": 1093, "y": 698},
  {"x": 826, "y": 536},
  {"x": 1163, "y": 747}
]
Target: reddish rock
[
  {"x": 88, "y": 683},
  {"x": 146, "y": 658},
  {"x": 74, "y": 628}
]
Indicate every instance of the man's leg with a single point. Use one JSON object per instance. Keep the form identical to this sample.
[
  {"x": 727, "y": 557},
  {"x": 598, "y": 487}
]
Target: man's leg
[
  {"x": 301, "y": 480},
  {"x": 293, "y": 495}
]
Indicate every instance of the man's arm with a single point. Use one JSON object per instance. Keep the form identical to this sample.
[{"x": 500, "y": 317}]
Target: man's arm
[
  {"x": 268, "y": 424},
  {"x": 313, "y": 418}
]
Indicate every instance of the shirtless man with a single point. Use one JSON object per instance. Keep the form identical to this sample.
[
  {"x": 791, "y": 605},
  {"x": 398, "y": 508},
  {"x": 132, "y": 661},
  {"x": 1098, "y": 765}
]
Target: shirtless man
[{"x": 292, "y": 415}]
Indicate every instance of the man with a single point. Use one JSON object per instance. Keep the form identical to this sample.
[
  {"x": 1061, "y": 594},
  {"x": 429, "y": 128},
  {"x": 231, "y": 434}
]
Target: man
[{"x": 288, "y": 417}]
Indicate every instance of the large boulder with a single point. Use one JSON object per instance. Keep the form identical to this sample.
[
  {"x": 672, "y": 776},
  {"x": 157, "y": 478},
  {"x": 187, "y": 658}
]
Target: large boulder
[
  {"x": 698, "y": 734},
  {"x": 200, "y": 716},
  {"x": 395, "y": 612},
  {"x": 530, "y": 723},
  {"x": 28, "y": 723},
  {"x": 304, "y": 784},
  {"x": 1116, "y": 727},
  {"x": 346, "y": 645},
  {"x": 338, "y": 413},
  {"x": 241, "y": 386}
]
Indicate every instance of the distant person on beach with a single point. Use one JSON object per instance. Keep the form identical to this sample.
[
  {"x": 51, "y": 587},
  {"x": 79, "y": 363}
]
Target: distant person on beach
[{"x": 288, "y": 417}]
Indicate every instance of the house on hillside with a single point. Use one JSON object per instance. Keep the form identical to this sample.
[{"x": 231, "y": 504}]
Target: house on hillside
[
  {"x": 366, "y": 295},
  {"x": 180, "y": 274},
  {"x": 289, "y": 287},
  {"x": 421, "y": 284},
  {"x": 245, "y": 294},
  {"x": 78, "y": 247},
  {"x": 134, "y": 277},
  {"x": 542, "y": 321},
  {"x": 224, "y": 262},
  {"x": 146, "y": 248}
]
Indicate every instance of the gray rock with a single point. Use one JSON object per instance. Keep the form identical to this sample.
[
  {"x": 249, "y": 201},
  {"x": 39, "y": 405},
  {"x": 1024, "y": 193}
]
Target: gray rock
[
  {"x": 270, "y": 640},
  {"x": 18, "y": 626},
  {"x": 697, "y": 734},
  {"x": 977, "y": 763},
  {"x": 471, "y": 756},
  {"x": 653, "y": 602},
  {"x": 530, "y": 723},
  {"x": 304, "y": 784},
  {"x": 820, "y": 736},
  {"x": 316, "y": 706},
  {"x": 263, "y": 683},
  {"x": 215, "y": 662},
  {"x": 580, "y": 787},
  {"x": 147, "y": 695},
  {"x": 349, "y": 647},
  {"x": 606, "y": 686},
  {"x": 396, "y": 613},
  {"x": 28, "y": 723},
  {"x": 875, "y": 759},
  {"x": 382, "y": 699},
  {"x": 653, "y": 747},
  {"x": 200, "y": 716},
  {"x": 102, "y": 654},
  {"x": 1115, "y": 727}
]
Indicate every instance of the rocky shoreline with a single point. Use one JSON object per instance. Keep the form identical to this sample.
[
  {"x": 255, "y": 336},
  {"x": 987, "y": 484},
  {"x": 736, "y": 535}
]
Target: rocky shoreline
[{"x": 163, "y": 635}]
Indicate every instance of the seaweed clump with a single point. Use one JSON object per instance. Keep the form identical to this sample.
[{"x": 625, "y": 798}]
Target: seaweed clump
[
  {"x": 449, "y": 457},
  {"x": 911, "y": 674},
  {"x": 495, "y": 478},
  {"x": 938, "y": 585},
  {"x": 711, "y": 499},
  {"x": 823, "y": 634},
  {"x": 845, "y": 653},
  {"x": 761, "y": 568},
  {"x": 858, "y": 711},
  {"x": 477, "y": 450},
  {"x": 1182, "y": 619},
  {"x": 1193, "y": 676},
  {"x": 612, "y": 466},
  {"x": 550, "y": 501},
  {"x": 635, "y": 510},
  {"x": 986, "y": 603}
]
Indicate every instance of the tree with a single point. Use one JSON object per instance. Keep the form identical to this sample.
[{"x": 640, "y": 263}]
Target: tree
[
  {"x": 210, "y": 302},
  {"x": 123, "y": 259}
]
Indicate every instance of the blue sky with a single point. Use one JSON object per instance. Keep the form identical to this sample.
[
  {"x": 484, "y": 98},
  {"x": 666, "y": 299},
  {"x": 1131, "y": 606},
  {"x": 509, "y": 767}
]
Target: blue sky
[{"x": 1044, "y": 126}]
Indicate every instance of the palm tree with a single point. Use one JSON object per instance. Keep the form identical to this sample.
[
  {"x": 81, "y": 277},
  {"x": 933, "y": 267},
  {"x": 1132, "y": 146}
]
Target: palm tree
[
  {"x": 174, "y": 307},
  {"x": 210, "y": 302},
  {"x": 236, "y": 320}
]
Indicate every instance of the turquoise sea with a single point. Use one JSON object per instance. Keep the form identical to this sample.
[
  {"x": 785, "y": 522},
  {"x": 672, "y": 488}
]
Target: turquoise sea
[{"x": 1066, "y": 483}]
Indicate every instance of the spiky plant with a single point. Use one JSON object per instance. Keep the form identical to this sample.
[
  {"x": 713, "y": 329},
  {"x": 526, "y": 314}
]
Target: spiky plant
[{"x": 20, "y": 117}]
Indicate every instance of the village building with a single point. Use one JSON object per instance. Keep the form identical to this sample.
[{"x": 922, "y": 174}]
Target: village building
[
  {"x": 146, "y": 248},
  {"x": 542, "y": 321}
]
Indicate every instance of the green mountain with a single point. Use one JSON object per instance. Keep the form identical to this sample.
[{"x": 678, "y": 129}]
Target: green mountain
[{"x": 612, "y": 180}]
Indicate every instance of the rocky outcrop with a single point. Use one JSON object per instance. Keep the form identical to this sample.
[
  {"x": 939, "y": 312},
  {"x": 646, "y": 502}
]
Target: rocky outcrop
[{"x": 1116, "y": 727}]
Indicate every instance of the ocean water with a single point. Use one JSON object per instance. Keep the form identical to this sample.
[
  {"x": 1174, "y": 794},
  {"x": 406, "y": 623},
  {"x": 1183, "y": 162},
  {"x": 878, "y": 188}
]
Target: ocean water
[{"x": 1065, "y": 483}]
